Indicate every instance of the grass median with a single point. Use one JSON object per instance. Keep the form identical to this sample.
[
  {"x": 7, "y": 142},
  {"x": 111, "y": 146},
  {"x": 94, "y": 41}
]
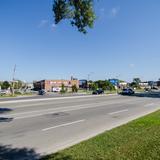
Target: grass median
[{"x": 137, "y": 140}]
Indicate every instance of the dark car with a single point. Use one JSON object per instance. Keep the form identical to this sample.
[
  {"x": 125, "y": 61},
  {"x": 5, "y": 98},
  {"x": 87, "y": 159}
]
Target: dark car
[
  {"x": 127, "y": 91},
  {"x": 98, "y": 91},
  {"x": 41, "y": 92}
]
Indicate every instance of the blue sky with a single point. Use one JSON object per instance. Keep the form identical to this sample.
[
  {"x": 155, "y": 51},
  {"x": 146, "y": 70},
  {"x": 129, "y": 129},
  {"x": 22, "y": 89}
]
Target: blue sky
[{"x": 124, "y": 43}]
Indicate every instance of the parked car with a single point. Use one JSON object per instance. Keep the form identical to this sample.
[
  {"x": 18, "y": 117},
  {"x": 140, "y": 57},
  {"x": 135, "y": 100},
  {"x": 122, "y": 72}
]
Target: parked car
[
  {"x": 155, "y": 88},
  {"x": 3, "y": 92},
  {"x": 41, "y": 92},
  {"x": 127, "y": 91},
  {"x": 98, "y": 91},
  {"x": 56, "y": 89}
]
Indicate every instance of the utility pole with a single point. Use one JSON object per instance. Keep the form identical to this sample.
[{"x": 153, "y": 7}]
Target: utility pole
[{"x": 13, "y": 79}]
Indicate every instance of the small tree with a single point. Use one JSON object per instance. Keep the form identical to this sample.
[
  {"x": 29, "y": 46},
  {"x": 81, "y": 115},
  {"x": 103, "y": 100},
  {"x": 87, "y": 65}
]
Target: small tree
[
  {"x": 18, "y": 84},
  {"x": 137, "y": 80},
  {"x": 62, "y": 89},
  {"x": 94, "y": 86},
  {"x": 5, "y": 85},
  {"x": 74, "y": 88},
  {"x": 110, "y": 86},
  {"x": 135, "y": 83}
]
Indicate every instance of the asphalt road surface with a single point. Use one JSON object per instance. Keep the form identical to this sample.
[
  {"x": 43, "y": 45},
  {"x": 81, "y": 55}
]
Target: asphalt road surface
[{"x": 33, "y": 127}]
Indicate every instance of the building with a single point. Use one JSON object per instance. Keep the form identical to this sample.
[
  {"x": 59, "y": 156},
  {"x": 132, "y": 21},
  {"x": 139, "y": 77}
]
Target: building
[
  {"x": 54, "y": 85},
  {"x": 123, "y": 84},
  {"x": 144, "y": 85},
  {"x": 83, "y": 84}
]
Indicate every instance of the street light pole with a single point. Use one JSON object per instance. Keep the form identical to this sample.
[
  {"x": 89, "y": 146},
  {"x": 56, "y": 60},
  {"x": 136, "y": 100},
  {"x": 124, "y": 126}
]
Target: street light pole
[{"x": 13, "y": 79}]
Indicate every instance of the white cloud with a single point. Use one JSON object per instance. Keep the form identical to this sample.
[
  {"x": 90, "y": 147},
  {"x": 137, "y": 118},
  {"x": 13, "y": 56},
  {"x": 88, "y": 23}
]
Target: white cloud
[
  {"x": 114, "y": 11},
  {"x": 131, "y": 65},
  {"x": 43, "y": 23}
]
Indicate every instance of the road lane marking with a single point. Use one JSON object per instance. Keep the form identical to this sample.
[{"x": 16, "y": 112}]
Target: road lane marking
[
  {"x": 49, "y": 99},
  {"x": 118, "y": 112},
  {"x": 149, "y": 105},
  {"x": 63, "y": 125},
  {"x": 55, "y": 110}
]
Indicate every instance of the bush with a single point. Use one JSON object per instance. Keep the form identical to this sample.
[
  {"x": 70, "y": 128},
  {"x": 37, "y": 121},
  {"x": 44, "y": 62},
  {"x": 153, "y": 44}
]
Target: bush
[{"x": 74, "y": 88}]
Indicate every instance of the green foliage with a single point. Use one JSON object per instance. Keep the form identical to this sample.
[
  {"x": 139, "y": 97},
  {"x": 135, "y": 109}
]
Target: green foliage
[
  {"x": 63, "y": 90},
  {"x": 5, "y": 85},
  {"x": 135, "y": 85},
  {"x": 74, "y": 88},
  {"x": 137, "y": 80},
  {"x": 105, "y": 85},
  {"x": 93, "y": 86},
  {"x": 18, "y": 84},
  {"x": 137, "y": 140},
  {"x": 79, "y": 12}
]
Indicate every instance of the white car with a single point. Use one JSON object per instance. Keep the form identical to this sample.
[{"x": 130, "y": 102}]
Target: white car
[
  {"x": 3, "y": 92},
  {"x": 56, "y": 89}
]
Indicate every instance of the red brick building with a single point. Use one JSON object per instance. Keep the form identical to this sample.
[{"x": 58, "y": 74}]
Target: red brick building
[{"x": 50, "y": 85}]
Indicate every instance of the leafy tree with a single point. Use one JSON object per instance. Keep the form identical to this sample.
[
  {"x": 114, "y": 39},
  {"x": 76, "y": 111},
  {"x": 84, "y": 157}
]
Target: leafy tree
[
  {"x": 105, "y": 85},
  {"x": 79, "y": 12},
  {"x": 135, "y": 85},
  {"x": 137, "y": 80},
  {"x": 18, "y": 84},
  {"x": 5, "y": 85},
  {"x": 93, "y": 86},
  {"x": 110, "y": 86},
  {"x": 63, "y": 89},
  {"x": 74, "y": 88}
]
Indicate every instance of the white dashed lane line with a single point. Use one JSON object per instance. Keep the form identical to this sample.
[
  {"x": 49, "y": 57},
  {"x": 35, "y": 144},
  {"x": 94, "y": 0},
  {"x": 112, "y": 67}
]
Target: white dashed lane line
[{"x": 63, "y": 125}]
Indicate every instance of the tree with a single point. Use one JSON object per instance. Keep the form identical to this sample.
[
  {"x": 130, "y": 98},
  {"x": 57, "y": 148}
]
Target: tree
[
  {"x": 63, "y": 89},
  {"x": 18, "y": 84},
  {"x": 105, "y": 85},
  {"x": 74, "y": 88},
  {"x": 135, "y": 85},
  {"x": 110, "y": 86},
  {"x": 93, "y": 86},
  {"x": 79, "y": 12},
  {"x": 137, "y": 80},
  {"x": 5, "y": 85}
]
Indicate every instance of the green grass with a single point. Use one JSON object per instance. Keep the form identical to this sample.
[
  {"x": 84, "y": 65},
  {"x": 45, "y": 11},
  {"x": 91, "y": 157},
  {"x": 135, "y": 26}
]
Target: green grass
[
  {"x": 110, "y": 92},
  {"x": 137, "y": 140},
  {"x": 15, "y": 95}
]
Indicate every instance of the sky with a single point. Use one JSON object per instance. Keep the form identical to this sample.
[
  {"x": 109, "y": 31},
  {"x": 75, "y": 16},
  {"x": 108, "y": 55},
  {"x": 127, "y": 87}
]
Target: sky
[{"x": 124, "y": 43}]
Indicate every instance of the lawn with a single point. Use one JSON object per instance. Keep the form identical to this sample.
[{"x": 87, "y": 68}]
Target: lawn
[{"x": 137, "y": 140}]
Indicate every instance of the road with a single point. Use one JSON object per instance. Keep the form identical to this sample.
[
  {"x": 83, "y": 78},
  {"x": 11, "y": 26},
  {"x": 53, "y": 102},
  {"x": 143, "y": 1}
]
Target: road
[{"x": 47, "y": 125}]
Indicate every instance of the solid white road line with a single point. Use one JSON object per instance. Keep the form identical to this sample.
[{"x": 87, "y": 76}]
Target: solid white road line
[
  {"x": 63, "y": 125},
  {"x": 118, "y": 112}
]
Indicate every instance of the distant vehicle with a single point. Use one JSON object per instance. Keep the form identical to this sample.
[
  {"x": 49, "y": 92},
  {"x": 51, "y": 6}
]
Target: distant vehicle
[
  {"x": 2, "y": 92},
  {"x": 127, "y": 91},
  {"x": 155, "y": 88},
  {"x": 41, "y": 92},
  {"x": 98, "y": 91},
  {"x": 57, "y": 89},
  {"x": 147, "y": 89}
]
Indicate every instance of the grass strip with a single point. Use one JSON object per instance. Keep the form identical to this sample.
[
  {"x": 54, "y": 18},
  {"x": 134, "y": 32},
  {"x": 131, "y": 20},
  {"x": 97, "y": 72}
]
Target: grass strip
[{"x": 137, "y": 140}]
